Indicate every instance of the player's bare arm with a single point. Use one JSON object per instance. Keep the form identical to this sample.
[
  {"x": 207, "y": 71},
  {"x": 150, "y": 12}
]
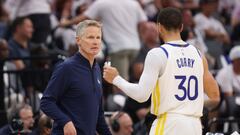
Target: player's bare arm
[{"x": 210, "y": 86}]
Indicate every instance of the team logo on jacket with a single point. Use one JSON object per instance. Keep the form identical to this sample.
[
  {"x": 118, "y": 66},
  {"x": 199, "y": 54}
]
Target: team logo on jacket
[{"x": 98, "y": 81}]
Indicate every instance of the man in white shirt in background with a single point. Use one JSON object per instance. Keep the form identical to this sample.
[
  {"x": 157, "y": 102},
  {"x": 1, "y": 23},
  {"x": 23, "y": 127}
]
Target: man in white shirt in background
[
  {"x": 229, "y": 77},
  {"x": 212, "y": 30}
]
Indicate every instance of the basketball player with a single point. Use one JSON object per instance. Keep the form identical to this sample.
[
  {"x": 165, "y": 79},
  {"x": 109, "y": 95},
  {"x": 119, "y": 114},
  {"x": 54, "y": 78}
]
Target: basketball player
[{"x": 177, "y": 75}]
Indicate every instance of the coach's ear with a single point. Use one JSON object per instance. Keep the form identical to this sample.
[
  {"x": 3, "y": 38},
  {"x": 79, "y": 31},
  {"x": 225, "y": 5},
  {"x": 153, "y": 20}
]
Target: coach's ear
[{"x": 78, "y": 40}]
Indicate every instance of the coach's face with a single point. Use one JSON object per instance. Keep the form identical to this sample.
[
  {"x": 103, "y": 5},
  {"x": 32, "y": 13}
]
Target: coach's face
[{"x": 90, "y": 42}]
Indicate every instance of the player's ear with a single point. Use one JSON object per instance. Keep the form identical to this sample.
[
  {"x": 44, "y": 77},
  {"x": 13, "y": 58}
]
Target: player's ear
[
  {"x": 181, "y": 28},
  {"x": 159, "y": 27}
]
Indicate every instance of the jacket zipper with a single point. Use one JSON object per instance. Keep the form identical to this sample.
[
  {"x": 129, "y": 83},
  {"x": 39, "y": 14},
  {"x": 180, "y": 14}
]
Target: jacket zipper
[{"x": 92, "y": 73}]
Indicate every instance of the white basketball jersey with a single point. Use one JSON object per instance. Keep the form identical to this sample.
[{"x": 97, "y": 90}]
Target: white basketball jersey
[{"x": 180, "y": 88}]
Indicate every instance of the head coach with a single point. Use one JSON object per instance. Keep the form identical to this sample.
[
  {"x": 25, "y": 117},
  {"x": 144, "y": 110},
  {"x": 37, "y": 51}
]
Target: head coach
[{"x": 73, "y": 97}]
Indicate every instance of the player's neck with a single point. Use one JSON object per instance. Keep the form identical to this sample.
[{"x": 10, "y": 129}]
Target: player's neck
[{"x": 172, "y": 37}]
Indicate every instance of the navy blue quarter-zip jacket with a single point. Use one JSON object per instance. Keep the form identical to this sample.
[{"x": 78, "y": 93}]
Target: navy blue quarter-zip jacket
[{"x": 74, "y": 93}]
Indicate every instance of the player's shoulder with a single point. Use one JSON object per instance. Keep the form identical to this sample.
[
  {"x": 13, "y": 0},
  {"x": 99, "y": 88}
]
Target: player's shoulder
[
  {"x": 159, "y": 52},
  {"x": 156, "y": 50},
  {"x": 195, "y": 49},
  {"x": 164, "y": 46}
]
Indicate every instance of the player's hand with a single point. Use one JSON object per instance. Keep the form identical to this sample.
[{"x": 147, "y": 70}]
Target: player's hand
[
  {"x": 69, "y": 129},
  {"x": 109, "y": 73}
]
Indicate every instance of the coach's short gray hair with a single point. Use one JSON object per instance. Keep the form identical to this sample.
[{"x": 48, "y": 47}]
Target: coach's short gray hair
[{"x": 86, "y": 23}]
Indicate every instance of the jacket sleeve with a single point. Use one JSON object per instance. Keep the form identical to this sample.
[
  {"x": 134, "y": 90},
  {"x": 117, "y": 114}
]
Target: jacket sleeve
[
  {"x": 102, "y": 127},
  {"x": 53, "y": 93}
]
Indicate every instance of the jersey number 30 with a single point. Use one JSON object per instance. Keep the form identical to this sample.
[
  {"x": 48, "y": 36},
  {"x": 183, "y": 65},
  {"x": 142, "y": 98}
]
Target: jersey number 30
[{"x": 188, "y": 89}]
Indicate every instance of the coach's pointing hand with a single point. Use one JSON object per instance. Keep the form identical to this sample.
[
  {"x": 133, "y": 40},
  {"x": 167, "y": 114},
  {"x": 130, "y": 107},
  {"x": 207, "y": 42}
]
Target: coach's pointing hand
[{"x": 109, "y": 73}]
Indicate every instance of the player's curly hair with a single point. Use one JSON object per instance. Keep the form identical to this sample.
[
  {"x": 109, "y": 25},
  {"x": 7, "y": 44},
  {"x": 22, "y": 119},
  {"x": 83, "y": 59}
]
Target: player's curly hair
[{"x": 170, "y": 18}]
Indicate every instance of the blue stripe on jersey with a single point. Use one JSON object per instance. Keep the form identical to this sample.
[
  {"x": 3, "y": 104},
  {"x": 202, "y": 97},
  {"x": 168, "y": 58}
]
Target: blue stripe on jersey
[
  {"x": 164, "y": 51},
  {"x": 178, "y": 45},
  {"x": 199, "y": 53}
]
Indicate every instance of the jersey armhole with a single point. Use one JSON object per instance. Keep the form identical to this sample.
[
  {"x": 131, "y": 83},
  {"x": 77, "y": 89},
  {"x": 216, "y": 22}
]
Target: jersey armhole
[{"x": 198, "y": 51}]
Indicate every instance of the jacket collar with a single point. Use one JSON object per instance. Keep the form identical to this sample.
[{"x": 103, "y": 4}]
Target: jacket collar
[{"x": 83, "y": 61}]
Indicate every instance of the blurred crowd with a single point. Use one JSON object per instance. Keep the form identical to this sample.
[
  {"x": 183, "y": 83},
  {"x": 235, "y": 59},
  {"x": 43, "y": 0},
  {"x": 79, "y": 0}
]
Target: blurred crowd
[{"x": 33, "y": 30}]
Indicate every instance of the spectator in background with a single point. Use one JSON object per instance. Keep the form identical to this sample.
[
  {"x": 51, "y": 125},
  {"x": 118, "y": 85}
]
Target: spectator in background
[
  {"x": 225, "y": 10},
  {"x": 4, "y": 20},
  {"x": 150, "y": 7},
  {"x": 44, "y": 126},
  {"x": 25, "y": 115},
  {"x": 229, "y": 77},
  {"x": 19, "y": 45},
  {"x": 235, "y": 18},
  {"x": 65, "y": 36},
  {"x": 79, "y": 6},
  {"x": 121, "y": 22},
  {"x": 192, "y": 35},
  {"x": 168, "y": 3},
  {"x": 149, "y": 38},
  {"x": 235, "y": 22},
  {"x": 171, "y": 3},
  {"x": 212, "y": 30},
  {"x": 63, "y": 9},
  {"x": 4, "y": 51},
  {"x": 12, "y": 101},
  {"x": 40, "y": 81},
  {"x": 160, "y": 4},
  {"x": 22, "y": 30},
  {"x": 37, "y": 82},
  {"x": 38, "y": 11},
  {"x": 42, "y": 63},
  {"x": 121, "y": 124},
  {"x": 192, "y": 5}
]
